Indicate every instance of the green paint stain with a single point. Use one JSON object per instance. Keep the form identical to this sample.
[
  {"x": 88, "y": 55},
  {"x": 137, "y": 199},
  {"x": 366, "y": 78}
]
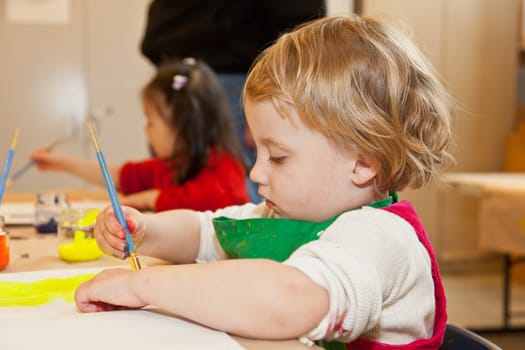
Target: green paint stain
[{"x": 15, "y": 294}]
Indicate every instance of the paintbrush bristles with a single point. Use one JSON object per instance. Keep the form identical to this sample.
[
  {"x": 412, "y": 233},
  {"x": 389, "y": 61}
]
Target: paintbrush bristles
[
  {"x": 94, "y": 138},
  {"x": 53, "y": 144},
  {"x": 14, "y": 138}
]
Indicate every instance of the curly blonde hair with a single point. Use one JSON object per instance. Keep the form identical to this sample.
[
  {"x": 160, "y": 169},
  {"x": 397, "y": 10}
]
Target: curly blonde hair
[{"x": 365, "y": 86}]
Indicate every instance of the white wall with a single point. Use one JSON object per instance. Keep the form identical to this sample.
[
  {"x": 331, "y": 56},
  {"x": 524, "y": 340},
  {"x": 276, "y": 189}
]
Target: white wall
[
  {"x": 116, "y": 72},
  {"x": 339, "y": 7},
  {"x": 56, "y": 75}
]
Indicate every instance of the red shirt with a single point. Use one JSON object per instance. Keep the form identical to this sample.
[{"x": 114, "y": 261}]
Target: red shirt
[{"x": 221, "y": 183}]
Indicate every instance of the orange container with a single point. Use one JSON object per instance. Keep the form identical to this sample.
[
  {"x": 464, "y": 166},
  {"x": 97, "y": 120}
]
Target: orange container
[
  {"x": 4, "y": 245},
  {"x": 4, "y": 250}
]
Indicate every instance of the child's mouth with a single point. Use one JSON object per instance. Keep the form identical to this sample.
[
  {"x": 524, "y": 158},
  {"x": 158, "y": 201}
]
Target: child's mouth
[{"x": 270, "y": 204}]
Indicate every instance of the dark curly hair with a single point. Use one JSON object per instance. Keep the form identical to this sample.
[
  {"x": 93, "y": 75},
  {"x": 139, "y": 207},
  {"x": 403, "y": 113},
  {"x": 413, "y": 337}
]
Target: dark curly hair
[{"x": 197, "y": 108}]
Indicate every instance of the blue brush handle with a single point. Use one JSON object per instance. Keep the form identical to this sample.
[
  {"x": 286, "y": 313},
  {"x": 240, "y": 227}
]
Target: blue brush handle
[
  {"x": 5, "y": 173},
  {"x": 22, "y": 170},
  {"x": 32, "y": 162},
  {"x": 114, "y": 200}
]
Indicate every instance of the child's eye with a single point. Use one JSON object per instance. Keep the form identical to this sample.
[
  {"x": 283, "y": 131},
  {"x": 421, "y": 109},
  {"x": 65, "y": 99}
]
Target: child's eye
[{"x": 276, "y": 159}]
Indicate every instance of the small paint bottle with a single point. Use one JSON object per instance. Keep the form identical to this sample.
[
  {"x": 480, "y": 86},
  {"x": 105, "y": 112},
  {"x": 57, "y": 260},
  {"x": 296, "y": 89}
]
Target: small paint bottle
[
  {"x": 48, "y": 207},
  {"x": 4, "y": 244}
]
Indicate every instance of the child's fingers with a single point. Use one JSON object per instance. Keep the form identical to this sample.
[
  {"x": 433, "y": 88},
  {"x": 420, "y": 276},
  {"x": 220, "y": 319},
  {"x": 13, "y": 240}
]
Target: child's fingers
[
  {"x": 110, "y": 235},
  {"x": 111, "y": 245},
  {"x": 109, "y": 290},
  {"x": 135, "y": 224},
  {"x": 137, "y": 233}
]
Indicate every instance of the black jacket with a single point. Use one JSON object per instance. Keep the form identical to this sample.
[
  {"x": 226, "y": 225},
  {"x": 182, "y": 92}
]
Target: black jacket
[{"x": 227, "y": 34}]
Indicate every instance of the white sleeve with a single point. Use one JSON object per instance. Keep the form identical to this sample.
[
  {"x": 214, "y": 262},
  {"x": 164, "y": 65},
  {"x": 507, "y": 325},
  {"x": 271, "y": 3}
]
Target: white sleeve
[
  {"x": 372, "y": 264},
  {"x": 209, "y": 247},
  {"x": 353, "y": 286}
]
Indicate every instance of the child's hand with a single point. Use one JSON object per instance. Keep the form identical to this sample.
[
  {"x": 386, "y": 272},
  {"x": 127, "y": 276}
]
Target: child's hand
[
  {"x": 111, "y": 236},
  {"x": 144, "y": 200},
  {"x": 47, "y": 160},
  {"x": 109, "y": 290}
]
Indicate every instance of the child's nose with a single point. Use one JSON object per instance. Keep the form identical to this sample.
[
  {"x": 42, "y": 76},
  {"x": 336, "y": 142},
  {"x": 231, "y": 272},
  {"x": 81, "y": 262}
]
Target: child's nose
[{"x": 257, "y": 173}]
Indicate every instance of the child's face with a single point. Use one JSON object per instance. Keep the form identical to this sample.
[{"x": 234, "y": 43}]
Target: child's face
[
  {"x": 161, "y": 136},
  {"x": 301, "y": 174}
]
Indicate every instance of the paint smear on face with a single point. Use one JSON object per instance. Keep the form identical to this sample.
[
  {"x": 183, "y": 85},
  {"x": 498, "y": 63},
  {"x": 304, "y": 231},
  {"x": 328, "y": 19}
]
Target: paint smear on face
[{"x": 16, "y": 294}]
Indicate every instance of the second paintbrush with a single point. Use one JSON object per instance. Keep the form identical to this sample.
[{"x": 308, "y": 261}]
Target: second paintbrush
[{"x": 29, "y": 164}]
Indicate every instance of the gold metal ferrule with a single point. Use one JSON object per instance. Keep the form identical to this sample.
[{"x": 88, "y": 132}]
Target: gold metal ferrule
[{"x": 134, "y": 261}]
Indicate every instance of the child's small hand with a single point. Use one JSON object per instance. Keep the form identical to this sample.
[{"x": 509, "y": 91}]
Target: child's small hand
[
  {"x": 111, "y": 236},
  {"x": 109, "y": 290},
  {"x": 47, "y": 160}
]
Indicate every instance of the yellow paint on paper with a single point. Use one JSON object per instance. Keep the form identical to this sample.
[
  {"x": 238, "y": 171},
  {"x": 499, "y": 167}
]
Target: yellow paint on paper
[{"x": 15, "y": 294}]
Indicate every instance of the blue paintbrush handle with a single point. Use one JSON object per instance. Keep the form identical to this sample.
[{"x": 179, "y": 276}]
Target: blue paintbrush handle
[
  {"x": 29, "y": 164},
  {"x": 117, "y": 209},
  {"x": 22, "y": 170},
  {"x": 5, "y": 173}
]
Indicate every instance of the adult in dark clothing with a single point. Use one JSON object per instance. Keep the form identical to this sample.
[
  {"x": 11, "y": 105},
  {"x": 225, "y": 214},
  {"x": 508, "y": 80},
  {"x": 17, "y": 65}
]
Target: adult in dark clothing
[{"x": 226, "y": 34}]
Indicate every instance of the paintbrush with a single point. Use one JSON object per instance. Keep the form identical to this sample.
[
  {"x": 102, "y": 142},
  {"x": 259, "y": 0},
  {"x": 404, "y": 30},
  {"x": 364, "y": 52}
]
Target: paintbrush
[
  {"x": 117, "y": 209},
  {"x": 8, "y": 161},
  {"x": 29, "y": 164}
]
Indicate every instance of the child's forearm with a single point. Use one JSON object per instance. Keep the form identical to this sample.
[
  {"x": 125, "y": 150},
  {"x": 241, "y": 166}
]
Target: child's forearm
[
  {"x": 253, "y": 298},
  {"x": 172, "y": 235},
  {"x": 89, "y": 170}
]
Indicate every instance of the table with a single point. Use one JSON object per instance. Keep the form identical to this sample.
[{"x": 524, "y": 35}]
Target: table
[
  {"x": 501, "y": 223},
  {"x": 480, "y": 183},
  {"x": 31, "y": 251}
]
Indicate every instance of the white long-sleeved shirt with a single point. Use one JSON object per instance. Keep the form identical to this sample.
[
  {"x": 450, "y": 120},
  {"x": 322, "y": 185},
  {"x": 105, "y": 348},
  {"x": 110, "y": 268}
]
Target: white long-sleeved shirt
[{"x": 371, "y": 262}]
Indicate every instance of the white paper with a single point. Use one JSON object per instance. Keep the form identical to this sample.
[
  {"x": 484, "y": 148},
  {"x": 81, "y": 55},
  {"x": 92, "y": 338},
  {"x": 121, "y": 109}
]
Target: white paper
[
  {"x": 38, "y": 11},
  {"x": 19, "y": 213},
  {"x": 60, "y": 326}
]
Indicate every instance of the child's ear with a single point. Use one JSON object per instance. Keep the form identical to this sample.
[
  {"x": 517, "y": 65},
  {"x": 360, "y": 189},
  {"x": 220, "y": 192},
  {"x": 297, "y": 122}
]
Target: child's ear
[{"x": 362, "y": 173}]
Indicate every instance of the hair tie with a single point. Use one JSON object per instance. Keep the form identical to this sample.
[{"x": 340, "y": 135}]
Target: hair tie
[
  {"x": 179, "y": 81},
  {"x": 190, "y": 61}
]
